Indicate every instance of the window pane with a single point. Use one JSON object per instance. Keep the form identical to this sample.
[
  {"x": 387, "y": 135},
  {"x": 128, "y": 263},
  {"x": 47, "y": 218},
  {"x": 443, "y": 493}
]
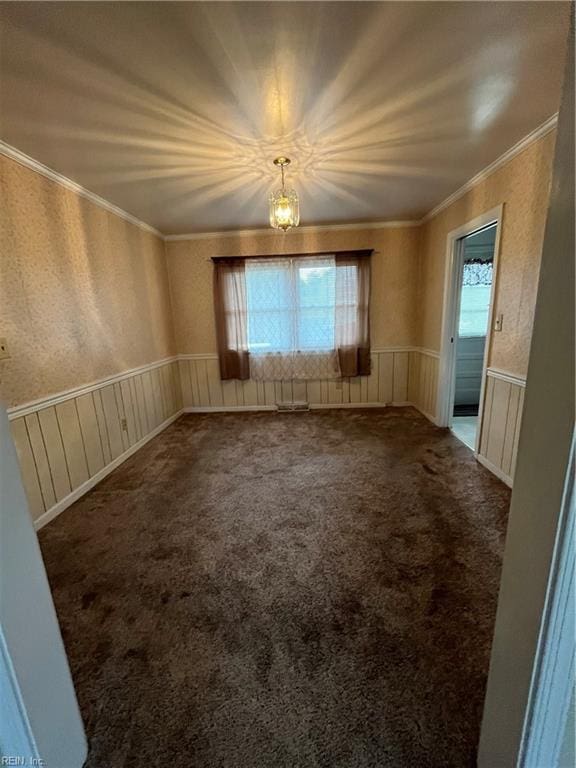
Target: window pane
[
  {"x": 474, "y": 306},
  {"x": 316, "y": 299},
  {"x": 268, "y": 298},
  {"x": 316, "y": 329},
  {"x": 291, "y": 304}
]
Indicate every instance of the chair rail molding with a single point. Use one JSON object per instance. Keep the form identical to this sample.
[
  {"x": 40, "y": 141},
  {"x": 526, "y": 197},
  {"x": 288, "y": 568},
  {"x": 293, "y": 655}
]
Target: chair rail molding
[
  {"x": 59, "y": 397},
  {"x": 68, "y": 442}
]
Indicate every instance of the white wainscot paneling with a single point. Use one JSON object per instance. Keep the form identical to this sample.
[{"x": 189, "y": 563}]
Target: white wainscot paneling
[
  {"x": 68, "y": 442},
  {"x": 423, "y": 381},
  {"x": 500, "y": 428},
  {"x": 387, "y": 384}
]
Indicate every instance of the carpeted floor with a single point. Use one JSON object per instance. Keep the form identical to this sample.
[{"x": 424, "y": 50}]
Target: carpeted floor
[{"x": 297, "y": 590}]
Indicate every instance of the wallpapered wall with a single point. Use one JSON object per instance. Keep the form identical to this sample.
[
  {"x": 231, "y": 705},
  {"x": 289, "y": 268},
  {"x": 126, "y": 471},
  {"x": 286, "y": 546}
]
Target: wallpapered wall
[
  {"x": 408, "y": 266},
  {"x": 394, "y": 275},
  {"x": 523, "y": 185},
  {"x": 83, "y": 293}
]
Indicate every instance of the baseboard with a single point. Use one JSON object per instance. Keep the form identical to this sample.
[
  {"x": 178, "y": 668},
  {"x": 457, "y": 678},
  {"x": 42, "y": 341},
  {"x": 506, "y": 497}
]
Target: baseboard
[
  {"x": 313, "y": 407},
  {"x": 227, "y": 408},
  {"x": 429, "y": 416},
  {"x": 77, "y": 493},
  {"x": 494, "y": 469},
  {"x": 330, "y": 406}
]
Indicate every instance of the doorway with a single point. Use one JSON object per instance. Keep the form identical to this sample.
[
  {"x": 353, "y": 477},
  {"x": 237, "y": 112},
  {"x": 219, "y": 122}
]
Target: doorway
[
  {"x": 475, "y": 287},
  {"x": 471, "y": 268}
]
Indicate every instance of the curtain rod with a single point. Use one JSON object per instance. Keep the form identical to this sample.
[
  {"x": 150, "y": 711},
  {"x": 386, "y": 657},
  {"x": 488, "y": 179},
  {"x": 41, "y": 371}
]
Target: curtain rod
[{"x": 361, "y": 253}]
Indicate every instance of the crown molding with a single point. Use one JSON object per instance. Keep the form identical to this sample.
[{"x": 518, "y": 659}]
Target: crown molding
[
  {"x": 537, "y": 133},
  {"x": 20, "y": 157},
  {"x": 311, "y": 229},
  {"x": 28, "y": 162}
]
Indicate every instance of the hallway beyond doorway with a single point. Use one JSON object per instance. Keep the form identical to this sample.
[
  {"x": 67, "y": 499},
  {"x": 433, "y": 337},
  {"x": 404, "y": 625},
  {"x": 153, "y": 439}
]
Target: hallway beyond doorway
[{"x": 464, "y": 428}]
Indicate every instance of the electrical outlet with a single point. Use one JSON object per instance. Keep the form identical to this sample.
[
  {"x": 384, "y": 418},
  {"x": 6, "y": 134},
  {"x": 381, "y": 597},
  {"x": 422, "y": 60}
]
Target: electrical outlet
[
  {"x": 4, "y": 354},
  {"x": 124, "y": 424}
]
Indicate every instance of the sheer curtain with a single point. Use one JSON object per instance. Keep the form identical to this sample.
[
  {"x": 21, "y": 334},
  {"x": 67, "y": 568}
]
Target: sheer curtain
[
  {"x": 352, "y": 325},
  {"x": 291, "y": 309},
  {"x": 231, "y": 318},
  {"x": 297, "y": 317}
]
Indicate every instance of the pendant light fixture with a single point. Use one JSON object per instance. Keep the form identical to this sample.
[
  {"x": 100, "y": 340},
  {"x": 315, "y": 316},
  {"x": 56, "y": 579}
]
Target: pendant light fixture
[{"x": 284, "y": 205}]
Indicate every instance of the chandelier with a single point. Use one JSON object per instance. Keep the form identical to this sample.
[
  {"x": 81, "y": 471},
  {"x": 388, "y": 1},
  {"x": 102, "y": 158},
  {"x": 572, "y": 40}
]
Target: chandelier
[{"x": 284, "y": 205}]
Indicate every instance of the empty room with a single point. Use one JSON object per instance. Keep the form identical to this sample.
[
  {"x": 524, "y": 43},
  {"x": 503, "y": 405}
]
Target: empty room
[{"x": 286, "y": 384}]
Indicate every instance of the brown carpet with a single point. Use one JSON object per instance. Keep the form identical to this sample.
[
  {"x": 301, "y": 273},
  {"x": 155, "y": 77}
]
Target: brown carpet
[{"x": 263, "y": 590}]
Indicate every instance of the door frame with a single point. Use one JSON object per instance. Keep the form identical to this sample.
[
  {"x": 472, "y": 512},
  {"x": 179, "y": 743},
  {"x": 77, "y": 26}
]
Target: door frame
[
  {"x": 551, "y": 688},
  {"x": 450, "y": 312}
]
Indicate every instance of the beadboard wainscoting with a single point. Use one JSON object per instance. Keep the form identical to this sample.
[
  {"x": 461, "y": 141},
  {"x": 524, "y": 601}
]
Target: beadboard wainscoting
[
  {"x": 68, "y": 442},
  {"x": 500, "y": 429},
  {"x": 400, "y": 376},
  {"x": 423, "y": 381}
]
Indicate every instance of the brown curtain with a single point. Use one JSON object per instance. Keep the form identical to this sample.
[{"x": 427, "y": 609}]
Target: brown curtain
[
  {"x": 231, "y": 318},
  {"x": 353, "y": 313}
]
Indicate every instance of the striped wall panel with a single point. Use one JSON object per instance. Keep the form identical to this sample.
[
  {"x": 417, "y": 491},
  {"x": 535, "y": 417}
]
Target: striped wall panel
[
  {"x": 69, "y": 442},
  {"x": 423, "y": 378},
  {"x": 388, "y": 383},
  {"x": 501, "y": 420}
]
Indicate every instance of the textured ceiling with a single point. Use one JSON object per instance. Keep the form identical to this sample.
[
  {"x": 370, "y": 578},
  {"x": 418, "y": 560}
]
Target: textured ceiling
[{"x": 174, "y": 111}]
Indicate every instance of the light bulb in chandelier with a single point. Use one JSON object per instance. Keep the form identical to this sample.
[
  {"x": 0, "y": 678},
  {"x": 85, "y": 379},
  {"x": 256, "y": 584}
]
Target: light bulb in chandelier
[{"x": 284, "y": 205}]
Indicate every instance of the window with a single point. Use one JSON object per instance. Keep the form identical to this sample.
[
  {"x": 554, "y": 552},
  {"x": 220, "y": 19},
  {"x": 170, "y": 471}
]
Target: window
[
  {"x": 475, "y": 299},
  {"x": 293, "y": 317},
  {"x": 291, "y": 305}
]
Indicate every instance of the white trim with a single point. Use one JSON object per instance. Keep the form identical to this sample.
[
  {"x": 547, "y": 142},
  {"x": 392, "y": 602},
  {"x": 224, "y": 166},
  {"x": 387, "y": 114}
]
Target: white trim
[
  {"x": 511, "y": 378},
  {"x": 537, "y": 133},
  {"x": 312, "y": 406},
  {"x": 330, "y": 406},
  {"x": 32, "y": 406},
  {"x": 227, "y": 408},
  {"x": 308, "y": 229},
  {"x": 489, "y": 325},
  {"x": 493, "y": 468},
  {"x": 552, "y": 681},
  {"x": 45, "y": 402},
  {"x": 64, "y": 503},
  {"x": 199, "y": 356},
  {"x": 429, "y": 416},
  {"x": 375, "y": 351},
  {"x": 542, "y": 130},
  {"x": 450, "y": 306},
  {"x": 429, "y": 352},
  {"x": 17, "y": 737},
  {"x": 390, "y": 350},
  {"x": 28, "y": 162}
]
